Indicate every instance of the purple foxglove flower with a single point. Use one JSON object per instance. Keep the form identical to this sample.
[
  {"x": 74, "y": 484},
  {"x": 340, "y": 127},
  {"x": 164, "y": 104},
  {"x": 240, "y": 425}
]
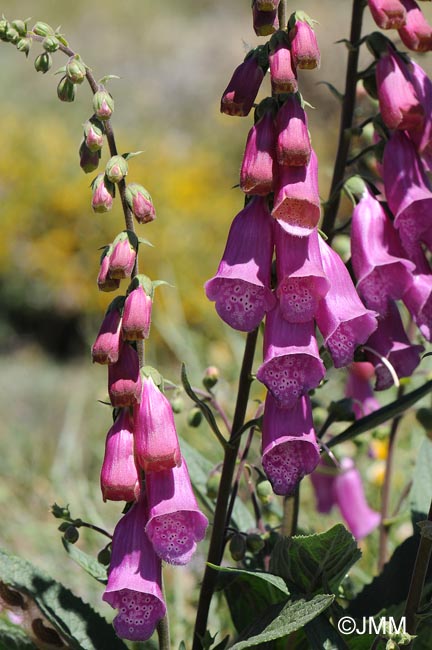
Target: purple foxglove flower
[
  {"x": 322, "y": 479},
  {"x": 119, "y": 477},
  {"x": 266, "y": 5},
  {"x": 416, "y": 34},
  {"x": 296, "y": 199},
  {"x": 124, "y": 381},
  {"x": 398, "y": 101},
  {"x": 175, "y": 522},
  {"x": 137, "y": 314},
  {"x": 407, "y": 190},
  {"x": 304, "y": 46},
  {"x": 301, "y": 279},
  {"x": 293, "y": 146},
  {"x": 106, "y": 348},
  {"x": 418, "y": 298},
  {"x": 349, "y": 496},
  {"x": 123, "y": 256},
  {"x": 358, "y": 387},
  {"x": 289, "y": 446},
  {"x": 103, "y": 193},
  {"x": 391, "y": 342},
  {"x": 342, "y": 318},
  {"x": 388, "y": 14},
  {"x": 377, "y": 256},
  {"x": 239, "y": 96},
  {"x": 422, "y": 137},
  {"x": 156, "y": 443},
  {"x": 104, "y": 280},
  {"x": 140, "y": 203},
  {"x": 264, "y": 22},
  {"x": 135, "y": 578},
  {"x": 282, "y": 70},
  {"x": 241, "y": 286},
  {"x": 256, "y": 174},
  {"x": 292, "y": 365}
]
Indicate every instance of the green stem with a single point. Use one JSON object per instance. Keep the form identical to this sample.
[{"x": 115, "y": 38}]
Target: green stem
[
  {"x": 332, "y": 205},
  {"x": 417, "y": 580},
  {"x": 291, "y": 508},
  {"x": 217, "y": 540}
]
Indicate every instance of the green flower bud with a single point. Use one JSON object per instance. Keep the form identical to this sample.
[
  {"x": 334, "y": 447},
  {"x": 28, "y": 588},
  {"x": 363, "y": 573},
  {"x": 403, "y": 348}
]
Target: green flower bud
[
  {"x": 66, "y": 90},
  {"x": 93, "y": 134},
  {"x": 254, "y": 543},
  {"x": 12, "y": 35},
  {"x": 63, "y": 526},
  {"x": 42, "y": 29},
  {"x": 104, "y": 556},
  {"x": 75, "y": 69},
  {"x": 20, "y": 26},
  {"x": 3, "y": 29},
  {"x": 213, "y": 482},
  {"x": 237, "y": 547},
  {"x": 71, "y": 534},
  {"x": 177, "y": 404},
  {"x": 24, "y": 45},
  {"x": 43, "y": 62},
  {"x": 264, "y": 492},
  {"x": 50, "y": 44},
  {"x": 116, "y": 169},
  {"x": 103, "y": 104},
  {"x": 211, "y": 377},
  {"x": 194, "y": 417}
]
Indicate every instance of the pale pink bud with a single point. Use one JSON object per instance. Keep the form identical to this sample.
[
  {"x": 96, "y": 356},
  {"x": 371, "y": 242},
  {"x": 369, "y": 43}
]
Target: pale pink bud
[
  {"x": 124, "y": 380},
  {"x": 103, "y": 193},
  {"x": 93, "y": 134},
  {"x": 304, "y": 47},
  {"x": 123, "y": 256},
  {"x": 416, "y": 34},
  {"x": 140, "y": 203},
  {"x": 137, "y": 315},
  {"x": 293, "y": 146},
  {"x": 106, "y": 348},
  {"x": 239, "y": 96},
  {"x": 388, "y": 14},
  {"x": 119, "y": 476},
  {"x": 256, "y": 174}
]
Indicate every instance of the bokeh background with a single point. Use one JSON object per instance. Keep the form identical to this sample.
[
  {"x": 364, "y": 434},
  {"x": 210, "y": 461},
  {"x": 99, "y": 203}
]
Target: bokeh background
[{"x": 173, "y": 59}]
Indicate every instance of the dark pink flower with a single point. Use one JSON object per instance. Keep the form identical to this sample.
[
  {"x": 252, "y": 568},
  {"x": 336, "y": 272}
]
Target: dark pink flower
[
  {"x": 301, "y": 281},
  {"x": 239, "y": 96},
  {"x": 241, "y": 286},
  {"x": 137, "y": 315},
  {"x": 283, "y": 74},
  {"x": 124, "y": 381},
  {"x": 292, "y": 365},
  {"x": 175, "y": 522},
  {"x": 418, "y": 298},
  {"x": 135, "y": 578},
  {"x": 106, "y": 347},
  {"x": 293, "y": 146},
  {"x": 388, "y": 14},
  {"x": 342, "y": 318},
  {"x": 264, "y": 22},
  {"x": 156, "y": 442},
  {"x": 422, "y": 136},
  {"x": 104, "y": 280},
  {"x": 304, "y": 47},
  {"x": 416, "y": 34},
  {"x": 349, "y": 495},
  {"x": 122, "y": 258},
  {"x": 256, "y": 174},
  {"x": 322, "y": 479},
  {"x": 359, "y": 388},
  {"x": 289, "y": 446},
  {"x": 119, "y": 475}
]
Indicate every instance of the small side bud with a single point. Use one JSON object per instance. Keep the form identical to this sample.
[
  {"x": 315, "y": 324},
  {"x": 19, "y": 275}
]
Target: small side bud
[
  {"x": 213, "y": 482},
  {"x": 65, "y": 90},
  {"x": 93, "y": 134},
  {"x": 140, "y": 203},
  {"x": 89, "y": 160},
  {"x": 50, "y": 44},
  {"x": 24, "y": 45},
  {"x": 194, "y": 417},
  {"x": 254, "y": 543},
  {"x": 211, "y": 377},
  {"x": 43, "y": 29},
  {"x": 75, "y": 69},
  {"x": 43, "y": 62},
  {"x": 265, "y": 492},
  {"x": 116, "y": 169},
  {"x": 103, "y": 104},
  {"x": 237, "y": 547},
  {"x": 11, "y": 35},
  {"x": 20, "y": 26},
  {"x": 71, "y": 534},
  {"x": 104, "y": 557},
  {"x": 103, "y": 194},
  {"x": 177, "y": 404}
]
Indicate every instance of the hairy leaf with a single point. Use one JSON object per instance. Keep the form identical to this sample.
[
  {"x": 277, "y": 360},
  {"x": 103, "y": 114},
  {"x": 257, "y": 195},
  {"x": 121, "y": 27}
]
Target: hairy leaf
[{"x": 87, "y": 562}]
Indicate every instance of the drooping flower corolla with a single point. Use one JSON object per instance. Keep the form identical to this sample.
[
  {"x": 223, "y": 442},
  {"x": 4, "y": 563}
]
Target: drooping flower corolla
[
  {"x": 422, "y": 137},
  {"x": 289, "y": 446},
  {"x": 322, "y": 479},
  {"x": 256, "y": 174},
  {"x": 293, "y": 146},
  {"x": 140, "y": 203},
  {"x": 103, "y": 193},
  {"x": 124, "y": 381},
  {"x": 119, "y": 475},
  {"x": 358, "y": 387},
  {"x": 303, "y": 42},
  {"x": 175, "y": 522},
  {"x": 377, "y": 256},
  {"x": 301, "y": 281},
  {"x": 264, "y": 22},
  {"x": 122, "y": 258},
  {"x": 283, "y": 74},
  {"x": 137, "y": 312},
  {"x": 388, "y": 14},
  {"x": 106, "y": 347},
  {"x": 416, "y": 33},
  {"x": 239, "y": 96},
  {"x": 349, "y": 495},
  {"x": 104, "y": 280},
  {"x": 342, "y": 318},
  {"x": 292, "y": 365},
  {"x": 418, "y": 298},
  {"x": 296, "y": 200},
  {"x": 134, "y": 578},
  {"x": 241, "y": 286},
  {"x": 156, "y": 442}
]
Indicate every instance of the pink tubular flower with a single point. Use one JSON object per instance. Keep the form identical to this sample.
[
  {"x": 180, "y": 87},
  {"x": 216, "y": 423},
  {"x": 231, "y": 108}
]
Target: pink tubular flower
[
  {"x": 416, "y": 34},
  {"x": 388, "y": 14},
  {"x": 289, "y": 446},
  {"x": 119, "y": 476},
  {"x": 292, "y": 365},
  {"x": 349, "y": 496},
  {"x": 156, "y": 443},
  {"x": 241, "y": 286},
  {"x": 422, "y": 137},
  {"x": 304, "y": 47},
  {"x": 301, "y": 278},
  {"x": 175, "y": 523},
  {"x": 377, "y": 256},
  {"x": 391, "y": 342},
  {"x": 256, "y": 174},
  {"x": 398, "y": 101},
  {"x": 106, "y": 347},
  {"x": 418, "y": 298},
  {"x": 358, "y": 387},
  {"x": 342, "y": 318},
  {"x": 102, "y": 198},
  {"x": 264, "y": 22},
  {"x": 137, "y": 313},
  {"x": 135, "y": 578},
  {"x": 296, "y": 200},
  {"x": 105, "y": 281},
  {"x": 282, "y": 70},
  {"x": 124, "y": 381},
  {"x": 293, "y": 146},
  {"x": 322, "y": 479},
  {"x": 239, "y": 96},
  {"x": 123, "y": 256}
]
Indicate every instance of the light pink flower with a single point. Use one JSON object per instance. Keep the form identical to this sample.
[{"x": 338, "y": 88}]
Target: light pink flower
[
  {"x": 137, "y": 315},
  {"x": 293, "y": 146},
  {"x": 105, "y": 281},
  {"x": 256, "y": 174},
  {"x": 124, "y": 381},
  {"x": 122, "y": 258},
  {"x": 388, "y": 14},
  {"x": 304, "y": 46},
  {"x": 106, "y": 348},
  {"x": 416, "y": 34},
  {"x": 119, "y": 475},
  {"x": 283, "y": 74},
  {"x": 418, "y": 298},
  {"x": 349, "y": 495}
]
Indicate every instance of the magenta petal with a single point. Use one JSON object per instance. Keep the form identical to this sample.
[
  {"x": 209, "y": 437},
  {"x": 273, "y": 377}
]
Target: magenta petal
[
  {"x": 256, "y": 174},
  {"x": 293, "y": 146},
  {"x": 175, "y": 522},
  {"x": 388, "y": 14},
  {"x": 322, "y": 479},
  {"x": 416, "y": 34},
  {"x": 349, "y": 496},
  {"x": 134, "y": 578},
  {"x": 124, "y": 380},
  {"x": 422, "y": 137},
  {"x": 359, "y": 388},
  {"x": 304, "y": 46},
  {"x": 418, "y": 298},
  {"x": 239, "y": 96},
  {"x": 106, "y": 348},
  {"x": 292, "y": 365},
  {"x": 289, "y": 446},
  {"x": 119, "y": 475},
  {"x": 282, "y": 70}
]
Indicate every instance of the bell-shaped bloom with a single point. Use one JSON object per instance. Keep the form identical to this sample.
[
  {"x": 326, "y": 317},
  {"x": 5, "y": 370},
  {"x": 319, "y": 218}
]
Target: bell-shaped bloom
[
  {"x": 239, "y": 96},
  {"x": 418, "y": 298},
  {"x": 289, "y": 446},
  {"x": 350, "y": 497},
  {"x": 104, "y": 280},
  {"x": 119, "y": 477},
  {"x": 388, "y": 14},
  {"x": 377, "y": 256},
  {"x": 422, "y": 136},
  {"x": 264, "y": 22},
  {"x": 106, "y": 348},
  {"x": 304, "y": 46},
  {"x": 359, "y": 388},
  {"x": 322, "y": 479},
  {"x": 123, "y": 256},
  {"x": 416, "y": 34},
  {"x": 408, "y": 191},
  {"x": 292, "y": 365},
  {"x": 175, "y": 522},
  {"x": 296, "y": 200},
  {"x": 156, "y": 442},
  {"x": 342, "y": 318},
  {"x": 256, "y": 174},
  {"x": 399, "y": 104},
  {"x": 293, "y": 146},
  {"x": 103, "y": 194},
  {"x": 391, "y": 342},
  {"x": 301, "y": 281},
  {"x": 135, "y": 578},
  {"x": 241, "y": 286},
  {"x": 283, "y": 75},
  {"x": 124, "y": 381},
  {"x": 137, "y": 315}
]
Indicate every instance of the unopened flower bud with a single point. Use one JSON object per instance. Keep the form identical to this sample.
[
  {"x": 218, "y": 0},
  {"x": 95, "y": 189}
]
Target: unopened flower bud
[
  {"x": 43, "y": 29},
  {"x": 103, "y": 193},
  {"x": 254, "y": 543},
  {"x": 116, "y": 169},
  {"x": 75, "y": 69},
  {"x": 12, "y": 35},
  {"x": 105, "y": 282},
  {"x": 211, "y": 377},
  {"x": 20, "y": 26},
  {"x": 123, "y": 256},
  {"x": 304, "y": 47},
  {"x": 138, "y": 309},
  {"x": 93, "y": 134},
  {"x": 104, "y": 557},
  {"x": 43, "y": 62},
  {"x": 194, "y": 417},
  {"x": 103, "y": 104},
  {"x": 3, "y": 28},
  {"x": 24, "y": 45},
  {"x": 264, "y": 492},
  {"x": 237, "y": 547},
  {"x": 140, "y": 203},
  {"x": 213, "y": 482},
  {"x": 177, "y": 404},
  {"x": 50, "y": 44},
  {"x": 106, "y": 348},
  {"x": 89, "y": 160},
  {"x": 71, "y": 534},
  {"x": 66, "y": 90}
]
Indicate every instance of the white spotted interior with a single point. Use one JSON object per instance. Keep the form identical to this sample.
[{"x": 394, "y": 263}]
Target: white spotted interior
[{"x": 137, "y": 615}]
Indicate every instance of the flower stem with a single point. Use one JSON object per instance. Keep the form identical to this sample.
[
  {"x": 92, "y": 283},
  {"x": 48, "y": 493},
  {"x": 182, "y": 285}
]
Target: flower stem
[
  {"x": 217, "y": 540},
  {"x": 283, "y": 13},
  {"x": 417, "y": 580},
  {"x": 291, "y": 507},
  {"x": 332, "y": 205}
]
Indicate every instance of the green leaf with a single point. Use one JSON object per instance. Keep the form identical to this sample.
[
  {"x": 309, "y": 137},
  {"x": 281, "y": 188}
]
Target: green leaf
[
  {"x": 334, "y": 91},
  {"x": 421, "y": 490},
  {"x": 205, "y": 409},
  {"x": 323, "y": 636},
  {"x": 280, "y": 620},
  {"x": 313, "y": 563},
  {"x": 86, "y": 562},
  {"x": 13, "y": 637},
  {"x": 74, "y": 620},
  {"x": 145, "y": 242},
  {"x": 199, "y": 469},
  {"x": 131, "y": 154},
  {"x": 108, "y": 77}
]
